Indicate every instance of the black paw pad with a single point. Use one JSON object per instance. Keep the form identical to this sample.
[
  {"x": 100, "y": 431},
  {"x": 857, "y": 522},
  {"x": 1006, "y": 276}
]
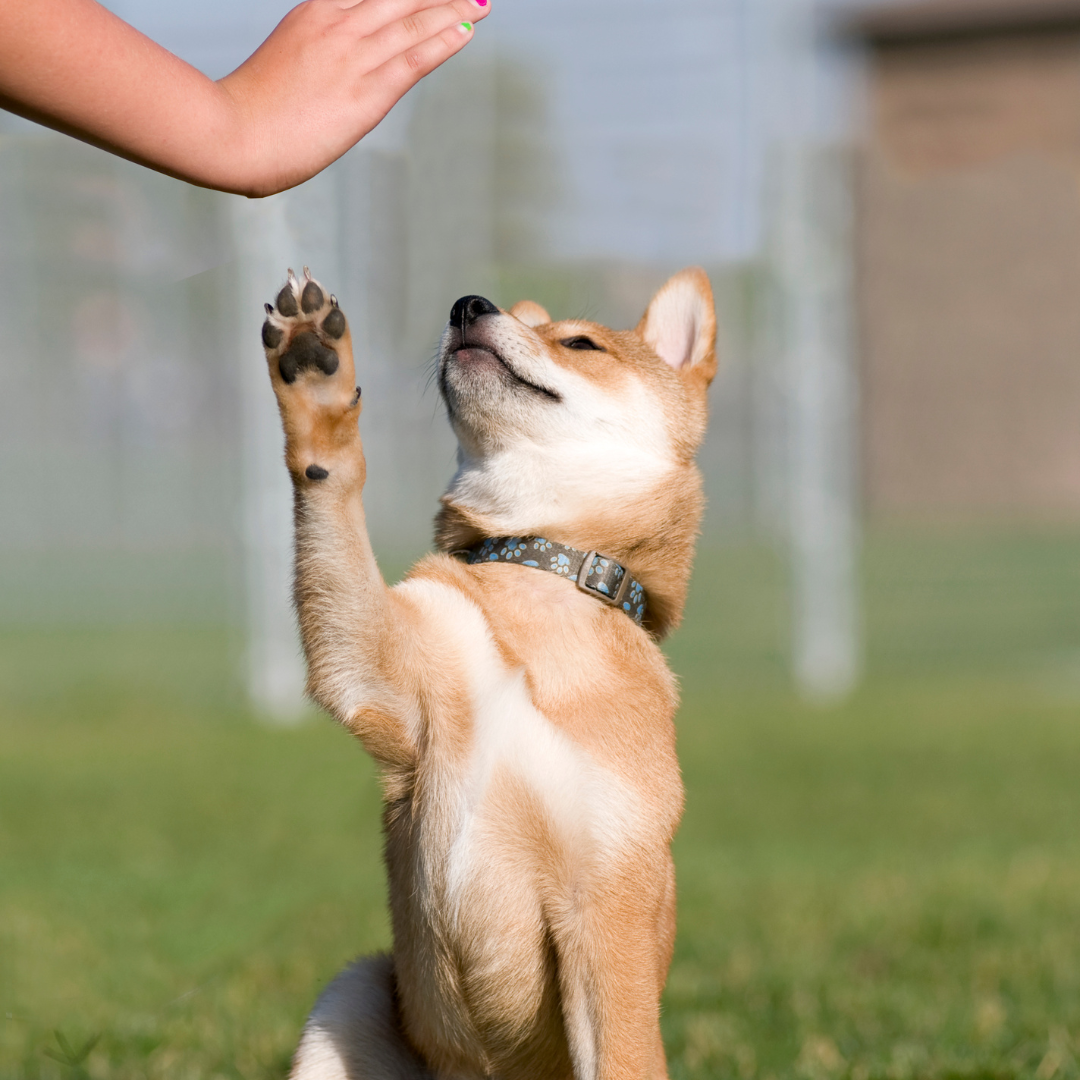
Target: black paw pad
[
  {"x": 334, "y": 323},
  {"x": 272, "y": 335},
  {"x": 311, "y": 299},
  {"x": 306, "y": 351},
  {"x": 316, "y": 472},
  {"x": 286, "y": 302}
]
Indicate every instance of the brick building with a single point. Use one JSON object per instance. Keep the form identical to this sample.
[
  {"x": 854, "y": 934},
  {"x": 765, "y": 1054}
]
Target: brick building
[{"x": 968, "y": 259}]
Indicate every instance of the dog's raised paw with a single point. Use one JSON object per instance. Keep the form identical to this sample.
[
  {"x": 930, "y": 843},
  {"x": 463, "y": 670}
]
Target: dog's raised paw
[{"x": 303, "y": 329}]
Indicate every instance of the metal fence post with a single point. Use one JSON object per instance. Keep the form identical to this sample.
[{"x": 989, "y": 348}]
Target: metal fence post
[{"x": 274, "y": 673}]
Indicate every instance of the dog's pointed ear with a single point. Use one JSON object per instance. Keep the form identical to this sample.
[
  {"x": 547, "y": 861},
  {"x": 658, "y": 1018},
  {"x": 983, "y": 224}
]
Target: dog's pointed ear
[
  {"x": 529, "y": 313},
  {"x": 680, "y": 325}
]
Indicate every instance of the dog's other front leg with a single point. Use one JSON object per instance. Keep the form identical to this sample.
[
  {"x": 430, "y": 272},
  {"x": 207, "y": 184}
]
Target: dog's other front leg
[
  {"x": 612, "y": 963},
  {"x": 356, "y": 633}
]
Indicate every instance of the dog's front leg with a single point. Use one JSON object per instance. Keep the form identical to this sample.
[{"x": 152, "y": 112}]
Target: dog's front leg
[
  {"x": 612, "y": 963},
  {"x": 357, "y": 635}
]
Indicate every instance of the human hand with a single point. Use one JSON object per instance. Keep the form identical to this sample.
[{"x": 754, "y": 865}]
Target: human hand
[{"x": 328, "y": 74}]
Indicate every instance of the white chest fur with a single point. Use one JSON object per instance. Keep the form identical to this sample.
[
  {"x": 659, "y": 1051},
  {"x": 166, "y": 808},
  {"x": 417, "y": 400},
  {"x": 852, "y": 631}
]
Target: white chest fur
[{"x": 589, "y": 811}]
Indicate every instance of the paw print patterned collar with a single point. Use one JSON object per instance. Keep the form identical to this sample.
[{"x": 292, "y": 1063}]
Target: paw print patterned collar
[{"x": 593, "y": 573}]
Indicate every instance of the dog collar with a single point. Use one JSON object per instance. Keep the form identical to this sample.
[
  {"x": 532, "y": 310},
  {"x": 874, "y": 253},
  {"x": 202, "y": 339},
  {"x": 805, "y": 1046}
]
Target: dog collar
[{"x": 593, "y": 573}]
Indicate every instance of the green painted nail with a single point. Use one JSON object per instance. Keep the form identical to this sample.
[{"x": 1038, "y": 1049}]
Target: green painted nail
[{"x": 466, "y": 26}]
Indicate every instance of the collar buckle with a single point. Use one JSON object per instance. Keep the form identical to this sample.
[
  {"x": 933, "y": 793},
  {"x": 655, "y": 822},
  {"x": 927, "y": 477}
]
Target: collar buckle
[{"x": 610, "y": 580}]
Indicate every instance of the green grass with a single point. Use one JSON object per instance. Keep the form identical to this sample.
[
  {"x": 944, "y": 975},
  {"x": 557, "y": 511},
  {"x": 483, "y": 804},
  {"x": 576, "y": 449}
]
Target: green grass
[{"x": 888, "y": 888}]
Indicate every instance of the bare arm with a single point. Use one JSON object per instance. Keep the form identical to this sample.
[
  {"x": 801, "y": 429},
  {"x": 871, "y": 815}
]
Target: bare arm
[{"x": 325, "y": 77}]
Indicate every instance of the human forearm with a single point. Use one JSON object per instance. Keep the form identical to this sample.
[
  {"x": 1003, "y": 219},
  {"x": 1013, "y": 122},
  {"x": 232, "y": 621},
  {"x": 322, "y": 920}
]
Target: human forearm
[
  {"x": 322, "y": 80},
  {"x": 93, "y": 76}
]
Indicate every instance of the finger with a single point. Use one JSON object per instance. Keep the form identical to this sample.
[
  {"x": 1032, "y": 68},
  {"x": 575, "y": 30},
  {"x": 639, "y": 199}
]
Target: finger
[
  {"x": 403, "y": 71},
  {"x": 409, "y": 33},
  {"x": 386, "y": 11},
  {"x": 388, "y": 27}
]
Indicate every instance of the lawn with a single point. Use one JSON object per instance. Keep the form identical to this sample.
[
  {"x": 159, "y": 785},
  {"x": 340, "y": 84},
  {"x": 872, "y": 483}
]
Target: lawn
[{"x": 886, "y": 888}]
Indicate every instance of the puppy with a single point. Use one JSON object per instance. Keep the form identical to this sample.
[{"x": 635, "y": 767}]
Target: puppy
[{"x": 511, "y": 688}]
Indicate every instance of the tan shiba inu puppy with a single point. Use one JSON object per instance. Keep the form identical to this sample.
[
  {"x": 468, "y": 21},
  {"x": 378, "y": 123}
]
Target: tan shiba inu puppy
[{"x": 511, "y": 688}]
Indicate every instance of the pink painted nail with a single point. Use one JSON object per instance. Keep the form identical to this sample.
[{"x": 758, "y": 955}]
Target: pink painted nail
[{"x": 481, "y": 3}]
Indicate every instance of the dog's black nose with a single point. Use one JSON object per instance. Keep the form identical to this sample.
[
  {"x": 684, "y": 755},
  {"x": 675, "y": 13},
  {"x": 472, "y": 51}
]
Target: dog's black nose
[{"x": 469, "y": 308}]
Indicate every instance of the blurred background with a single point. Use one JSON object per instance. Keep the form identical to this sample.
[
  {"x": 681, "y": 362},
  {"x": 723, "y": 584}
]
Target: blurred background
[{"x": 880, "y": 864}]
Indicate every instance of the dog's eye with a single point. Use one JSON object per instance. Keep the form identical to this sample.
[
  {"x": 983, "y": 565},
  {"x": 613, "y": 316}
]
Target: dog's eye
[{"x": 581, "y": 343}]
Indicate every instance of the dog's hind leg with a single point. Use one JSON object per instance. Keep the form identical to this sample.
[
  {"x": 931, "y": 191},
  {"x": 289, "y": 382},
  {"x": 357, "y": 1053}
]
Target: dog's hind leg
[{"x": 354, "y": 1032}]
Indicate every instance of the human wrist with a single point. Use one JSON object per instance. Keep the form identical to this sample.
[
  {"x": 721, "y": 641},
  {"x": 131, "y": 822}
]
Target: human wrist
[
  {"x": 229, "y": 157},
  {"x": 245, "y": 160}
]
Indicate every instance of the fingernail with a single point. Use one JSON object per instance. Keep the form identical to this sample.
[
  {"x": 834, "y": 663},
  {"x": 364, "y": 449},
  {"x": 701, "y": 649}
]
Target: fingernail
[
  {"x": 481, "y": 3},
  {"x": 467, "y": 27}
]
